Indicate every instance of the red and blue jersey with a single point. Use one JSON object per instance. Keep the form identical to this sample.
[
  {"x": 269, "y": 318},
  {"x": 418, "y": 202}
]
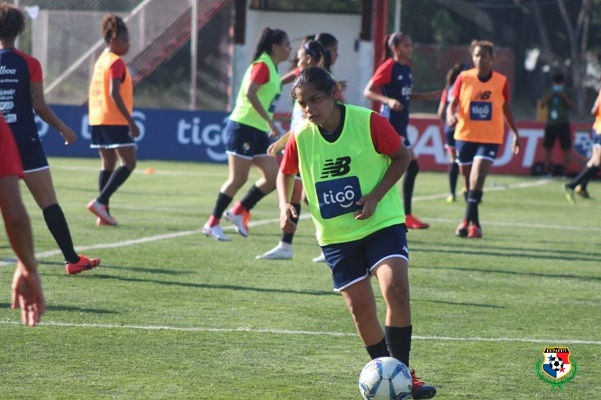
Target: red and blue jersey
[
  {"x": 17, "y": 71},
  {"x": 396, "y": 82}
]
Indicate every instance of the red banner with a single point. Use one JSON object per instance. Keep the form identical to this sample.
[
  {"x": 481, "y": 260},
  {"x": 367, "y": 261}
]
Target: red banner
[{"x": 427, "y": 138}]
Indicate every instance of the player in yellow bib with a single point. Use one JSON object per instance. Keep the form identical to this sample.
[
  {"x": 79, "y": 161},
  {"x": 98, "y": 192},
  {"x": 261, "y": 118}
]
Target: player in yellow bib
[
  {"x": 311, "y": 53},
  {"x": 350, "y": 159},
  {"x": 249, "y": 129}
]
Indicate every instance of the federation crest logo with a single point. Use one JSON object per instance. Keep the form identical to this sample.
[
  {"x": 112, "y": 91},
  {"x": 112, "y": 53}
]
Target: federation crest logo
[{"x": 556, "y": 368}]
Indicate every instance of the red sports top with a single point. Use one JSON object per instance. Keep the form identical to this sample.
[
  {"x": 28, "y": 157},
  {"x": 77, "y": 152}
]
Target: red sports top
[{"x": 10, "y": 162}]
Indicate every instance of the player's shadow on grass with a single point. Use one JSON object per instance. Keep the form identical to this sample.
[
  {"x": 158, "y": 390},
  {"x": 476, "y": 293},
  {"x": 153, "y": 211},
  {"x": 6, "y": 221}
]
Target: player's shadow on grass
[
  {"x": 192, "y": 285},
  {"x": 514, "y": 252},
  {"x": 513, "y": 273},
  {"x": 58, "y": 307},
  {"x": 158, "y": 271},
  {"x": 457, "y": 303}
]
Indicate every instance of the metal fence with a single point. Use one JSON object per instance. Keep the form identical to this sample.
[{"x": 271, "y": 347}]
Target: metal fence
[{"x": 64, "y": 35}]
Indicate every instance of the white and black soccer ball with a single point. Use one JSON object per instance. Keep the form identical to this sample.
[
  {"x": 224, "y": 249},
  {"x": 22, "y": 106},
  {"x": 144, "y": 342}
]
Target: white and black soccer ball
[
  {"x": 385, "y": 378},
  {"x": 556, "y": 363}
]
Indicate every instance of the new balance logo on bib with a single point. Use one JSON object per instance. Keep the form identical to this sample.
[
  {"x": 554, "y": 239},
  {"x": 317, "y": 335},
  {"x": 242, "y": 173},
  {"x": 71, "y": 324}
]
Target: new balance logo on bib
[{"x": 339, "y": 167}]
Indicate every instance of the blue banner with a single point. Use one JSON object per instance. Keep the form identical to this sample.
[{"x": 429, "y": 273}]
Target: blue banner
[{"x": 164, "y": 134}]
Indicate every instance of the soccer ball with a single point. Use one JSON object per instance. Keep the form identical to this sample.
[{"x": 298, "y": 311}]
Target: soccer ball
[
  {"x": 556, "y": 363},
  {"x": 385, "y": 378}
]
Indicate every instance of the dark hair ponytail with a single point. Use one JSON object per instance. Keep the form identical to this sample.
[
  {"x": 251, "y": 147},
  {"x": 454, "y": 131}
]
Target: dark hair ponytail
[
  {"x": 268, "y": 38},
  {"x": 327, "y": 40},
  {"x": 315, "y": 49},
  {"x": 321, "y": 80},
  {"x": 391, "y": 41}
]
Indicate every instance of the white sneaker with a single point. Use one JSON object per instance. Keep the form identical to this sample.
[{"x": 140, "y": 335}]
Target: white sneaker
[
  {"x": 277, "y": 253},
  {"x": 100, "y": 211},
  {"x": 320, "y": 258},
  {"x": 238, "y": 221},
  {"x": 215, "y": 232}
]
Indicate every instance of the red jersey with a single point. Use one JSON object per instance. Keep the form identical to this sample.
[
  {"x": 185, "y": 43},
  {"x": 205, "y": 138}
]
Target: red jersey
[{"x": 10, "y": 161}]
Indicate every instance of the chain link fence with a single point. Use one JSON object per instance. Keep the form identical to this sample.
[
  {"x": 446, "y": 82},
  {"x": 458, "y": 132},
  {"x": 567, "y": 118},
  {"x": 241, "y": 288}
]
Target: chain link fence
[{"x": 64, "y": 35}]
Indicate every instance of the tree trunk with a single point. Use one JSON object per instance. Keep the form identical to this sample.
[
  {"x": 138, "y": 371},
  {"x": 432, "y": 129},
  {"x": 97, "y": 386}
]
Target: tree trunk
[{"x": 577, "y": 56}]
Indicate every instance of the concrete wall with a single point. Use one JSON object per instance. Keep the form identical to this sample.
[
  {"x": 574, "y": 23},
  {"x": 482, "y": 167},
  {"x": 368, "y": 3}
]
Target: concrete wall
[{"x": 345, "y": 27}]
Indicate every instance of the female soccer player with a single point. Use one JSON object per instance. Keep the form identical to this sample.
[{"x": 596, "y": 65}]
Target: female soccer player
[
  {"x": 23, "y": 90},
  {"x": 27, "y": 291},
  {"x": 479, "y": 106},
  {"x": 350, "y": 159},
  {"x": 249, "y": 128},
  {"x": 110, "y": 108},
  {"x": 392, "y": 85},
  {"x": 593, "y": 166},
  {"x": 449, "y": 131},
  {"x": 311, "y": 53}
]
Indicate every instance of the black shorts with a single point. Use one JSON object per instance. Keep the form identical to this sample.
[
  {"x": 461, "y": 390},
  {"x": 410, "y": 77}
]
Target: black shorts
[
  {"x": 468, "y": 151},
  {"x": 449, "y": 135},
  {"x": 111, "y": 136},
  {"x": 33, "y": 156},
  {"x": 246, "y": 141},
  {"x": 354, "y": 261},
  {"x": 561, "y": 132}
]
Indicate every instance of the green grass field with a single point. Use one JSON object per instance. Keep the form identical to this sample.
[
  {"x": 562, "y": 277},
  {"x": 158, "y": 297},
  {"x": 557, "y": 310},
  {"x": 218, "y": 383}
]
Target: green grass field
[{"x": 171, "y": 314}]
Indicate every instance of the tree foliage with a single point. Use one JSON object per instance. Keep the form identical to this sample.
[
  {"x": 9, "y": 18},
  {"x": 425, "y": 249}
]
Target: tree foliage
[{"x": 566, "y": 32}]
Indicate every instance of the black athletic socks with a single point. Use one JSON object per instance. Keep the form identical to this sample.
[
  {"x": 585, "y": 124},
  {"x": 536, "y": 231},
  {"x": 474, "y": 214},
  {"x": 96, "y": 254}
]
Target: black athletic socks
[
  {"x": 584, "y": 176},
  {"x": 453, "y": 174},
  {"x": 398, "y": 341},
  {"x": 409, "y": 184},
  {"x": 58, "y": 227},
  {"x": 471, "y": 210},
  {"x": 223, "y": 201},
  {"x": 252, "y": 197},
  {"x": 378, "y": 350},
  {"x": 103, "y": 179},
  {"x": 117, "y": 178}
]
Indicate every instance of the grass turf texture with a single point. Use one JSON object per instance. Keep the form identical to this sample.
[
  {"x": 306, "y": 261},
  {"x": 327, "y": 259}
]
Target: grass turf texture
[{"x": 172, "y": 314}]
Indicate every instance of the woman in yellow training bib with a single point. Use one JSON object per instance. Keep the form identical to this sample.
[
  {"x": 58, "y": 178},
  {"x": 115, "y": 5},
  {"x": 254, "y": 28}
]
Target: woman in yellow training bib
[
  {"x": 249, "y": 129},
  {"x": 350, "y": 159},
  {"x": 110, "y": 116}
]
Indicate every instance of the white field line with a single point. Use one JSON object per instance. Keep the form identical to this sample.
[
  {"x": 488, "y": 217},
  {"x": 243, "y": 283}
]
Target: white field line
[
  {"x": 50, "y": 253},
  {"x": 140, "y": 170},
  {"x": 307, "y": 333}
]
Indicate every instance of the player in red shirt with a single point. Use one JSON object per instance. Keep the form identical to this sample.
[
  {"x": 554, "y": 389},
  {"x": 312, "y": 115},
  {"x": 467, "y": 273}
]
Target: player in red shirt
[
  {"x": 392, "y": 86},
  {"x": 23, "y": 91},
  {"x": 27, "y": 291}
]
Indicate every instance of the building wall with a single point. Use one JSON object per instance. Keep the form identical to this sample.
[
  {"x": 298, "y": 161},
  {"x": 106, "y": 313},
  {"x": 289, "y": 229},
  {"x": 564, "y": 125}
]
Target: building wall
[{"x": 345, "y": 27}]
